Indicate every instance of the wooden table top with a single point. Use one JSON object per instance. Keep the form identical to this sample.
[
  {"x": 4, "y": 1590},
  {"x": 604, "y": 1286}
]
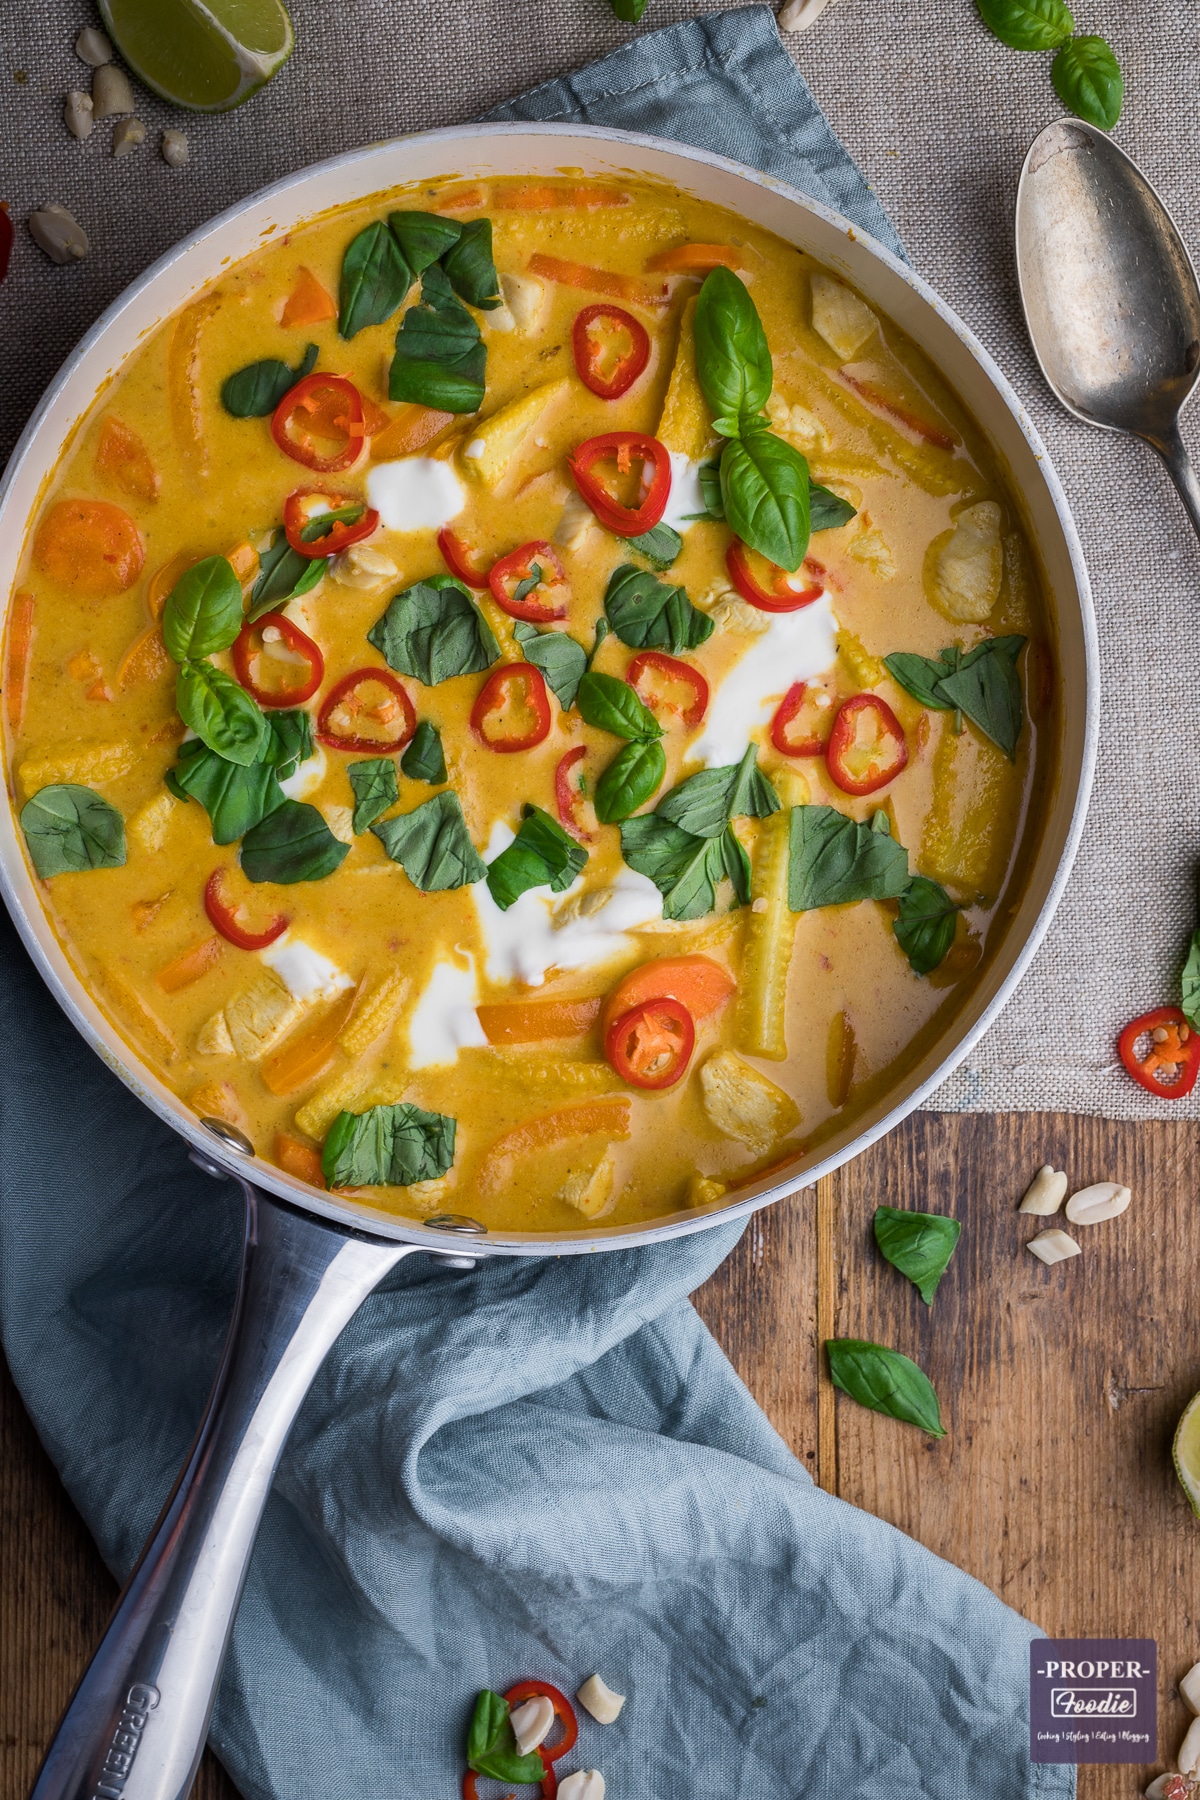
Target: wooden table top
[{"x": 1060, "y": 1388}]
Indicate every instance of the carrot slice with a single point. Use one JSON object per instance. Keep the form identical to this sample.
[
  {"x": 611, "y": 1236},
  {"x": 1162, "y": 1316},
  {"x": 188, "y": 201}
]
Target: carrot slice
[
  {"x": 686, "y": 259},
  {"x": 302, "y": 1160},
  {"x": 412, "y": 428},
  {"x": 164, "y": 579},
  {"x": 243, "y": 560},
  {"x": 599, "y": 281},
  {"x": 701, "y": 984},
  {"x": 145, "y": 660},
  {"x": 302, "y": 1057},
  {"x": 529, "y": 1021},
  {"x": 611, "y": 1118},
  {"x": 122, "y": 456},
  {"x": 90, "y": 546},
  {"x": 16, "y": 664},
  {"x": 944, "y": 439},
  {"x": 530, "y": 196},
  {"x": 191, "y": 965},
  {"x": 464, "y": 199},
  {"x": 308, "y": 303}
]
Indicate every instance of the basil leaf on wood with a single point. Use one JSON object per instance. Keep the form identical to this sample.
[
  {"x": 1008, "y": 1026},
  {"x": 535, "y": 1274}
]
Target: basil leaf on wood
[
  {"x": 469, "y": 266},
  {"x": 764, "y": 490},
  {"x": 432, "y": 845},
  {"x": 434, "y": 631},
  {"x": 389, "y": 1146},
  {"x": 635, "y": 773},
  {"x": 542, "y": 854},
  {"x": 283, "y": 575},
  {"x": 423, "y": 238},
  {"x": 203, "y": 613},
  {"x": 733, "y": 358},
  {"x": 660, "y": 545},
  {"x": 425, "y": 760},
  {"x": 706, "y": 802},
  {"x": 293, "y": 843},
  {"x": 919, "y": 1244},
  {"x": 560, "y": 658},
  {"x": 376, "y": 787},
  {"x": 646, "y": 614},
  {"x": 683, "y": 867},
  {"x": 925, "y": 924},
  {"x": 236, "y": 797},
  {"x": 375, "y": 280},
  {"x": 256, "y": 390},
  {"x": 70, "y": 828},
  {"x": 1087, "y": 79},
  {"x": 827, "y": 510},
  {"x": 1027, "y": 24},
  {"x": 885, "y": 1381},
  {"x": 610, "y": 704},
  {"x": 440, "y": 355},
  {"x": 220, "y": 712},
  {"x": 834, "y": 860},
  {"x": 982, "y": 683},
  {"x": 1189, "y": 998}
]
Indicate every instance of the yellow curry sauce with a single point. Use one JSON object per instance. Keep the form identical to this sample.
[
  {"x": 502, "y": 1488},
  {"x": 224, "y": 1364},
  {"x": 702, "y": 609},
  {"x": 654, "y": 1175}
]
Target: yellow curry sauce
[{"x": 826, "y": 1008}]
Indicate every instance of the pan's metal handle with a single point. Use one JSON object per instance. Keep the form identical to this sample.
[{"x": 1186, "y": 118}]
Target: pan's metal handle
[{"x": 136, "y": 1725}]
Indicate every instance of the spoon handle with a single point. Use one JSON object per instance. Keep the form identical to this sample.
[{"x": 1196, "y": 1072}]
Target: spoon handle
[{"x": 1182, "y": 471}]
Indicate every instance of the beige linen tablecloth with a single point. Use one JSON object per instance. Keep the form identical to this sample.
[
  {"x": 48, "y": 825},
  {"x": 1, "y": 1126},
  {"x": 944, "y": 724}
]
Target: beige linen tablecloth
[{"x": 938, "y": 114}]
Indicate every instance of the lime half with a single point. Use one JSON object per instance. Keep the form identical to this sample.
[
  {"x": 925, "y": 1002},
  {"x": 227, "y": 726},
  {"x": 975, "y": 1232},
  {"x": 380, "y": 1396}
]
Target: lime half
[
  {"x": 1186, "y": 1451},
  {"x": 208, "y": 55}
]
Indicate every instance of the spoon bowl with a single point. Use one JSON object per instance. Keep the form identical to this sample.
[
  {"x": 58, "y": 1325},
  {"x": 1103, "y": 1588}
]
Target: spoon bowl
[{"x": 1111, "y": 298}]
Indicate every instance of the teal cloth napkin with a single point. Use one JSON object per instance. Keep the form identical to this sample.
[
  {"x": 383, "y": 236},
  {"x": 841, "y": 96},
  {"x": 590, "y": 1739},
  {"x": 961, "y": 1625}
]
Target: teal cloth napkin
[{"x": 542, "y": 1468}]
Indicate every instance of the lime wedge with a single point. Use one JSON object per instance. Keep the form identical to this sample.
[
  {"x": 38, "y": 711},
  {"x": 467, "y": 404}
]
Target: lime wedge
[
  {"x": 208, "y": 55},
  {"x": 1186, "y": 1451}
]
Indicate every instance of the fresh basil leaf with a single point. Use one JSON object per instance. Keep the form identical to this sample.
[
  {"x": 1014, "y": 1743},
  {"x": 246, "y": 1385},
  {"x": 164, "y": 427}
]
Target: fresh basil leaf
[
  {"x": 733, "y": 358},
  {"x": 424, "y": 238},
  {"x": 1189, "y": 999},
  {"x": 469, "y": 266},
  {"x": 709, "y": 477},
  {"x": 646, "y": 614},
  {"x": 635, "y": 773},
  {"x": 293, "y": 843},
  {"x": 432, "y": 846},
  {"x": 283, "y": 575},
  {"x": 1027, "y": 24},
  {"x": 389, "y": 1146},
  {"x": 375, "y": 280},
  {"x": 987, "y": 688},
  {"x": 376, "y": 787},
  {"x": 736, "y": 864},
  {"x": 507, "y": 1765},
  {"x": 764, "y": 490},
  {"x": 322, "y": 523},
  {"x": 628, "y": 11},
  {"x": 256, "y": 390},
  {"x": 69, "y": 828},
  {"x": 706, "y": 802},
  {"x": 885, "y": 1381},
  {"x": 827, "y": 510},
  {"x": 203, "y": 613},
  {"x": 920, "y": 676},
  {"x": 486, "y": 1730},
  {"x": 561, "y": 660},
  {"x": 881, "y": 823},
  {"x": 424, "y": 760},
  {"x": 534, "y": 579},
  {"x": 1087, "y": 79},
  {"x": 542, "y": 854},
  {"x": 612, "y": 705},
  {"x": 834, "y": 860},
  {"x": 440, "y": 356},
  {"x": 290, "y": 740},
  {"x": 236, "y": 797},
  {"x": 220, "y": 712},
  {"x": 660, "y": 545},
  {"x": 925, "y": 924},
  {"x": 684, "y": 868},
  {"x": 919, "y": 1244},
  {"x": 433, "y": 631}
]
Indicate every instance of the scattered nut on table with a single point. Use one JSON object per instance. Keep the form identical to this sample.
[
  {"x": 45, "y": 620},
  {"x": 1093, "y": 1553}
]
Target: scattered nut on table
[
  {"x": 584, "y": 1784},
  {"x": 599, "y": 1699},
  {"x": 91, "y": 46},
  {"x": 1053, "y": 1246},
  {"x": 111, "y": 92},
  {"x": 127, "y": 135},
  {"x": 174, "y": 148},
  {"x": 1046, "y": 1192},
  {"x": 1103, "y": 1200},
  {"x": 1188, "y": 1754},
  {"x": 1189, "y": 1689},
  {"x": 77, "y": 113},
  {"x": 61, "y": 236}
]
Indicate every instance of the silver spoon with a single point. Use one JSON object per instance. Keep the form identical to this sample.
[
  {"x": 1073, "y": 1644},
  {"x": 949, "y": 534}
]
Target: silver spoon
[{"x": 1110, "y": 295}]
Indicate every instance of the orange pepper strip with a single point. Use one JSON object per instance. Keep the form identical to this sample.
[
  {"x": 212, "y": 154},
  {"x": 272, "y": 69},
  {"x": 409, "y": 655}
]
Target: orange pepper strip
[
  {"x": 933, "y": 434},
  {"x": 183, "y": 379},
  {"x": 190, "y": 965},
  {"x": 243, "y": 560},
  {"x": 412, "y": 428},
  {"x": 461, "y": 199},
  {"x": 16, "y": 669},
  {"x": 375, "y": 420},
  {"x": 688, "y": 259},
  {"x": 302, "y": 1160},
  {"x": 164, "y": 579},
  {"x": 122, "y": 456},
  {"x": 527, "y": 196},
  {"x": 308, "y": 303},
  {"x": 306, "y": 1053},
  {"x": 599, "y": 281},
  {"x": 146, "y": 658},
  {"x": 610, "y": 1118},
  {"x": 529, "y": 1021}
]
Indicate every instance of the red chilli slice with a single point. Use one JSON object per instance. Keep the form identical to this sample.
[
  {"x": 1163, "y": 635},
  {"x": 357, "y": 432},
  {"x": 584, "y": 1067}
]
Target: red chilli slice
[{"x": 393, "y": 712}]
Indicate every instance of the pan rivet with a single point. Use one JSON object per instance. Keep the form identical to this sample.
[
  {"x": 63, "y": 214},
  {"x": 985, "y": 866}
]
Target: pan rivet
[
  {"x": 230, "y": 1138},
  {"x": 462, "y": 1227}
]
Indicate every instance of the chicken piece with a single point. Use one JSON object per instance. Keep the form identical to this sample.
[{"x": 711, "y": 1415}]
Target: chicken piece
[
  {"x": 744, "y": 1104},
  {"x": 494, "y": 447},
  {"x": 213, "y": 1037},
  {"x": 868, "y": 546},
  {"x": 702, "y": 1190},
  {"x": 91, "y": 765},
  {"x": 686, "y": 423},
  {"x": 340, "y": 820},
  {"x": 258, "y": 1016},
  {"x": 576, "y": 524},
  {"x": 967, "y": 566},
  {"x": 150, "y": 823},
  {"x": 840, "y": 317},
  {"x": 589, "y": 1185},
  {"x": 363, "y": 566},
  {"x": 524, "y": 304},
  {"x": 800, "y": 426}
]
